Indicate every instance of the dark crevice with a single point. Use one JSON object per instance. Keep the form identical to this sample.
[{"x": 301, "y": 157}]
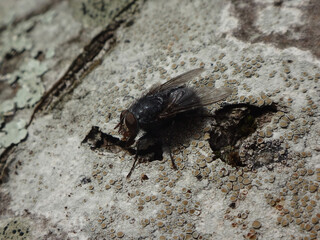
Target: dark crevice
[
  {"x": 124, "y": 9},
  {"x": 232, "y": 125}
]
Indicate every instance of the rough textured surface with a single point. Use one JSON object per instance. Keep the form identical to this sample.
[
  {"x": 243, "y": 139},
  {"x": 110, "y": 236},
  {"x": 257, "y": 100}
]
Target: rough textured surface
[{"x": 263, "y": 183}]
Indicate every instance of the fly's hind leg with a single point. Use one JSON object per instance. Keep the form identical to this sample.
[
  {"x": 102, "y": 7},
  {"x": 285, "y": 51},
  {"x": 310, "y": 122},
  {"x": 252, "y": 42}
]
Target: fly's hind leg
[
  {"x": 167, "y": 143},
  {"x": 147, "y": 142},
  {"x": 170, "y": 154}
]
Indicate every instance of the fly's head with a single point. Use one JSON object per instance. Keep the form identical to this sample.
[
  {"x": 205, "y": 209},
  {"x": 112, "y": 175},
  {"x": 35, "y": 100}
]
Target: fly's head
[{"x": 128, "y": 127}]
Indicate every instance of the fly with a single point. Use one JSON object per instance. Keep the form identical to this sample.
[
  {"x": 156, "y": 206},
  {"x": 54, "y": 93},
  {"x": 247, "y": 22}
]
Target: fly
[{"x": 162, "y": 104}]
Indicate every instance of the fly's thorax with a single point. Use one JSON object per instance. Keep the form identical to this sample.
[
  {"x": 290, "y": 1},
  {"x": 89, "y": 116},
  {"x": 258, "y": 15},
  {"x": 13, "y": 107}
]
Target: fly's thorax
[{"x": 147, "y": 109}]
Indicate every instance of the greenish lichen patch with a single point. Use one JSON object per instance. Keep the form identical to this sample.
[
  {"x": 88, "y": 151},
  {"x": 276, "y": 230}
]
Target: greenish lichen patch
[
  {"x": 21, "y": 79},
  {"x": 30, "y": 86},
  {"x": 16, "y": 39},
  {"x": 29, "y": 91},
  {"x": 13, "y": 133}
]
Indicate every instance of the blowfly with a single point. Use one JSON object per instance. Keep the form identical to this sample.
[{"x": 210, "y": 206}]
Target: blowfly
[{"x": 162, "y": 104}]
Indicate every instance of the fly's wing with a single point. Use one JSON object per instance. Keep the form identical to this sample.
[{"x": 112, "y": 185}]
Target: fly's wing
[
  {"x": 208, "y": 96},
  {"x": 186, "y": 99},
  {"x": 177, "y": 81}
]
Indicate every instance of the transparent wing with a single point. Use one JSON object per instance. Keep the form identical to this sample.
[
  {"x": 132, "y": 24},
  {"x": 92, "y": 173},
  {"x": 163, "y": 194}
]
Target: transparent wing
[
  {"x": 208, "y": 96},
  {"x": 176, "y": 81},
  {"x": 186, "y": 99}
]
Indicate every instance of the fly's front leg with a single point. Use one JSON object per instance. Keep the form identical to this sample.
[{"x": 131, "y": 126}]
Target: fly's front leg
[
  {"x": 139, "y": 145},
  {"x": 133, "y": 165}
]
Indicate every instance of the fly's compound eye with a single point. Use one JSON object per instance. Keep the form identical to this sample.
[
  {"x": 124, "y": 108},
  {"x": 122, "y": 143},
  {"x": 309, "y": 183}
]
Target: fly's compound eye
[
  {"x": 128, "y": 126},
  {"x": 122, "y": 116},
  {"x": 130, "y": 121},
  {"x": 131, "y": 125}
]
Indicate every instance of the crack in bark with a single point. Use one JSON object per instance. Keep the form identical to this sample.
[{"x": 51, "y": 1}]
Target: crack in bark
[
  {"x": 79, "y": 68},
  {"x": 83, "y": 64}
]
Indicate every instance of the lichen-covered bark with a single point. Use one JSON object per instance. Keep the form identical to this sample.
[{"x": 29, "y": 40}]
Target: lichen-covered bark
[{"x": 247, "y": 168}]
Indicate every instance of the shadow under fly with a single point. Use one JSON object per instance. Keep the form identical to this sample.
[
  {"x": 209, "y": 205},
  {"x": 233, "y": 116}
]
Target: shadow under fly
[{"x": 162, "y": 108}]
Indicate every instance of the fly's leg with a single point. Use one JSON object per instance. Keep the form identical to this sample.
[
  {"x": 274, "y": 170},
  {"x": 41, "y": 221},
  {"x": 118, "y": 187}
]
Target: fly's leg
[
  {"x": 172, "y": 160},
  {"x": 168, "y": 143},
  {"x": 148, "y": 140},
  {"x": 136, "y": 157},
  {"x": 133, "y": 165}
]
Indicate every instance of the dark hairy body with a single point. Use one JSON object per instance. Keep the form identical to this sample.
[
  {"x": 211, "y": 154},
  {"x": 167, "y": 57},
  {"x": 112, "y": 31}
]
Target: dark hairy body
[{"x": 148, "y": 109}]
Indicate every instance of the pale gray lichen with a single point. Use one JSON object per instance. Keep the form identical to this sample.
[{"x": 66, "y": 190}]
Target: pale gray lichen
[
  {"x": 30, "y": 91},
  {"x": 50, "y": 53},
  {"x": 31, "y": 87},
  {"x": 13, "y": 133},
  {"x": 16, "y": 39},
  {"x": 6, "y": 106}
]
